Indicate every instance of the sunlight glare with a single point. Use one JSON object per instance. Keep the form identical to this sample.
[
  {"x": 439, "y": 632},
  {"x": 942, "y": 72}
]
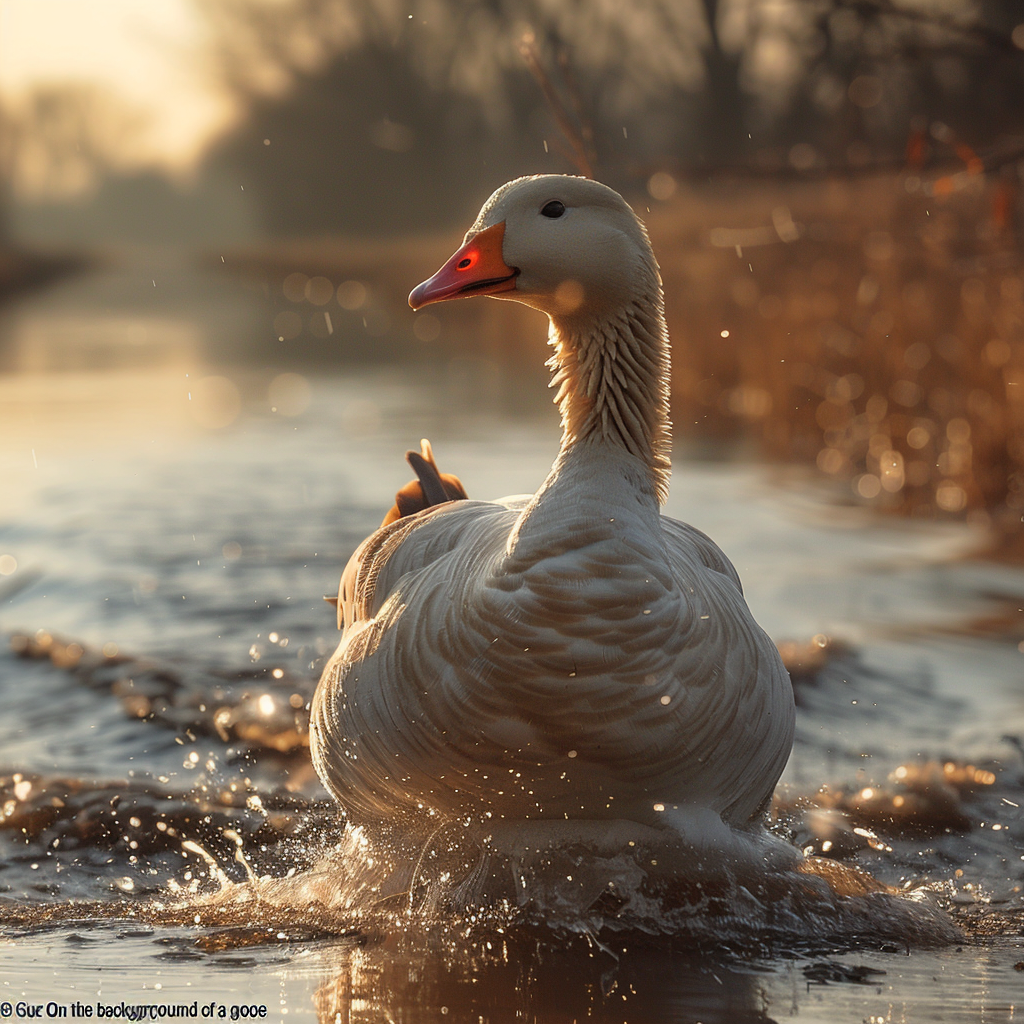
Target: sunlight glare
[{"x": 149, "y": 56}]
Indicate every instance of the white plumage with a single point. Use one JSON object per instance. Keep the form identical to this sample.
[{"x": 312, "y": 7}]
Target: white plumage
[{"x": 574, "y": 653}]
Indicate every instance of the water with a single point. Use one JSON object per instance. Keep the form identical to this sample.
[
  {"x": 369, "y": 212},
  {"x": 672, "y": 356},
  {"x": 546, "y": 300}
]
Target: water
[{"x": 193, "y": 561}]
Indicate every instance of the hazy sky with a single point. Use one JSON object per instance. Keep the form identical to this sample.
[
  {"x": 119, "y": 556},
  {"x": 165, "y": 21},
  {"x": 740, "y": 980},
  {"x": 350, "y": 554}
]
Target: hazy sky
[{"x": 150, "y": 53}]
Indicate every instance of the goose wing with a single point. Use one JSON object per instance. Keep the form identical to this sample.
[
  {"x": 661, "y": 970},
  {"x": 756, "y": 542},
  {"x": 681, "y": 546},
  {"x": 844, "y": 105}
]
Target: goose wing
[
  {"x": 728, "y": 678},
  {"x": 453, "y": 533},
  {"x": 579, "y": 689},
  {"x": 680, "y": 537},
  {"x": 405, "y": 645}
]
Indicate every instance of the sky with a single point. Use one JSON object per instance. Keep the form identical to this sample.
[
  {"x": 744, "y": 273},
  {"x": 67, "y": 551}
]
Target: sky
[{"x": 149, "y": 53}]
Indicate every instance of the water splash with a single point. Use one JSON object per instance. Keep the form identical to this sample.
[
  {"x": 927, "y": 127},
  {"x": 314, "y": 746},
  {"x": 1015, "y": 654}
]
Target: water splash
[
  {"x": 463, "y": 884},
  {"x": 276, "y": 864}
]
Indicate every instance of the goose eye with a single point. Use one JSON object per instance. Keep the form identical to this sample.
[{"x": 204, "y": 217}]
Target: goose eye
[{"x": 553, "y": 209}]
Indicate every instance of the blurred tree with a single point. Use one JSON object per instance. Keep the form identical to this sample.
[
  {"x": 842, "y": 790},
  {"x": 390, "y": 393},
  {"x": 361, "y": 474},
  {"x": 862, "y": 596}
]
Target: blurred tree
[
  {"x": 629, "y": 52},
  {"x": 64, "y": 138},
  {"x": 75, "y": 166},
  {"x": 867, "y": 69},
  {"x": 7, "y": 146},
  {"x": 56, "y": 143},
  {"x": 361, "y": 113},
  {"x": 362, "y": 145}
]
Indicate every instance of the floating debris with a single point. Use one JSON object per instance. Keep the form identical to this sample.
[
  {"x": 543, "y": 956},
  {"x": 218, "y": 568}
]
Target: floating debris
[{"x": 264, "y": 708}]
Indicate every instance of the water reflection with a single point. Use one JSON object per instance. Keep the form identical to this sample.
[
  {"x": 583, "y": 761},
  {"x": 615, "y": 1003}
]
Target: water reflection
[
  {"x": 41, "y": 343},
  {"x": 582, "y": 982}
]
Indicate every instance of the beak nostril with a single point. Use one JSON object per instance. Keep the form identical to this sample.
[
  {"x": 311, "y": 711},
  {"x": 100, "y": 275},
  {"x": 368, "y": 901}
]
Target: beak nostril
[{"x": 476, "y": 269}]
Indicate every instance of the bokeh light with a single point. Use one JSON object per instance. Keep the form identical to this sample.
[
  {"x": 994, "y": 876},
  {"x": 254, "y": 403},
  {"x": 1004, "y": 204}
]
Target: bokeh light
[
  {"x": 215, "y": 402},
  {"x": 289, "y": 393}
]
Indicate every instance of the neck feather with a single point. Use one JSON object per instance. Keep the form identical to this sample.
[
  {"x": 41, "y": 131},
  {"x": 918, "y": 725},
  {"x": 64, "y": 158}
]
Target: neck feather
[{"x": 612, "y": 376}]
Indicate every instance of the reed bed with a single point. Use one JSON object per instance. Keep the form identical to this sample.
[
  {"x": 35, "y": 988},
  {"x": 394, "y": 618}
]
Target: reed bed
[{"x": 874, "y": 328}]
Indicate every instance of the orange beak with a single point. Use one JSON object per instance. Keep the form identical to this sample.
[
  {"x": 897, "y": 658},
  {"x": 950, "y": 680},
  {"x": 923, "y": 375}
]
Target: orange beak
[{"x": 478, "y": 268}]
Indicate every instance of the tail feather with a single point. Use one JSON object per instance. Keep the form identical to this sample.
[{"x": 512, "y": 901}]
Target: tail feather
[{"x": 432, "y": 487}]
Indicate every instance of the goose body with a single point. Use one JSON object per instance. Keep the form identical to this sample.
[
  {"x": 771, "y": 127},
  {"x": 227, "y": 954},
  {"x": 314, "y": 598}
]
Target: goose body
[{"x": 571, "y": 654}]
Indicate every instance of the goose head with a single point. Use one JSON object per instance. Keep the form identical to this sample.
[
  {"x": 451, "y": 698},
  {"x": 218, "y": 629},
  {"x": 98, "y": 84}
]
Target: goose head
[
  {"x": 568, "y": 246},
  {"x": 572, "y": 248}
]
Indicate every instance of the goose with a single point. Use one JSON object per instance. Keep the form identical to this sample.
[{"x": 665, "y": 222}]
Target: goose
[{"x": 572, "y": 656}]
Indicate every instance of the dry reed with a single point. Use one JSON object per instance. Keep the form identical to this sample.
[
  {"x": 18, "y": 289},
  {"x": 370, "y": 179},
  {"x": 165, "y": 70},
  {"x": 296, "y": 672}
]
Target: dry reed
[{"x": 874, "y": 327}]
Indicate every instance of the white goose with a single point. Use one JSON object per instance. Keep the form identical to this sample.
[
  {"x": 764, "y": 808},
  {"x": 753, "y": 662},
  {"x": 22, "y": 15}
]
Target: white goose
[{"x": 574, "y": 654}]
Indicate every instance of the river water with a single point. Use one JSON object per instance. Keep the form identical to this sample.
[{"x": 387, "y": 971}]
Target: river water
[{"x": 167, "y": 531}]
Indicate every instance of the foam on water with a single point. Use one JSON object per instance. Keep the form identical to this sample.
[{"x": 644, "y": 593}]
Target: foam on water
[{"x": 750, "y": 891}]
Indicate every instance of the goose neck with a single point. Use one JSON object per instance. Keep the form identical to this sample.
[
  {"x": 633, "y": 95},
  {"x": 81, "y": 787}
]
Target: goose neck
[{"x": 611, "y": 373}]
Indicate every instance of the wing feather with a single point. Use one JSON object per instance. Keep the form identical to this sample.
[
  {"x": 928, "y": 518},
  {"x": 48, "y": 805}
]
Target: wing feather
[{"x": 600, "y": 681}]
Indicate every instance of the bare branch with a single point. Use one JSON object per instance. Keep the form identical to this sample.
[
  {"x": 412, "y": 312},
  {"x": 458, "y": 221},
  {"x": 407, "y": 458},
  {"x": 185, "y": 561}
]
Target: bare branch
[
  {"x": 974, "y": 32},
  {"x": 572, "y": 88},
  {"x": 577, "y": 142}
]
